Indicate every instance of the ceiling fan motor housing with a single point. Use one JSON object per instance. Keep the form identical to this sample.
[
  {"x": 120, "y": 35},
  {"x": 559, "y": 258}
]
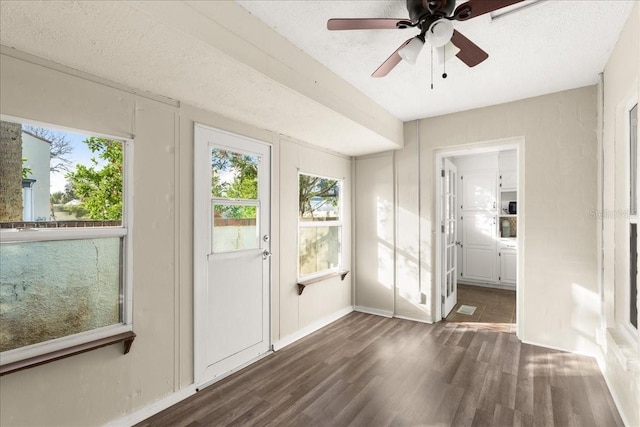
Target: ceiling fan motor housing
[{"x": 419, "y": 9}]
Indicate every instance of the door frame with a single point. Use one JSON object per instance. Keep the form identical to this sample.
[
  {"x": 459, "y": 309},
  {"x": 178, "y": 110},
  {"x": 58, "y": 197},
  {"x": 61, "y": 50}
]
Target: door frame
[
  {"x": 517, "y": 143},
  {"x": 200, "y": 216}
]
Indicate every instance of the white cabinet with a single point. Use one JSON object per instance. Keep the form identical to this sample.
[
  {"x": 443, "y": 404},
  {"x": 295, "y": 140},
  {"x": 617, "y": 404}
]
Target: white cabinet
[
  {"x": 508, "y": 266},
  {"x": 479, "y": 191},
  {"x": 479, "y": 246},
  {"x": 487, "y": 185},
  {"x": 508, "y": 181}
]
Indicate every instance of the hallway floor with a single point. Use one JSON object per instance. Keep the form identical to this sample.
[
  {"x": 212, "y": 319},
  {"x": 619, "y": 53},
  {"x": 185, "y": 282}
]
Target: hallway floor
[{"x": 492, "y": 305}]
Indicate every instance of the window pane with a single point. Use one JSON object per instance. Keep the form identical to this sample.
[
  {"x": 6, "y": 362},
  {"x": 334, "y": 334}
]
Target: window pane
[
  {"x": 319, "y": 249},
  {"x": 56, "y": 178},
  {"x": 319, "y": 199},
  {"x": 234, "y": 175},
  {"x": 633, "y": 122},
  {"x": 50, "y": 290},
  {"x": 234, "y": 228},
  {"x": 633, "y": 291}
]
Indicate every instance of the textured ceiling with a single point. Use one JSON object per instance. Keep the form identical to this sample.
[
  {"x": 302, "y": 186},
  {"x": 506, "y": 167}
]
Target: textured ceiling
[
  {"x": 172, "y": 49},
  {"x": 217, "y": 56},
  {"x": 543, "y": 48}
]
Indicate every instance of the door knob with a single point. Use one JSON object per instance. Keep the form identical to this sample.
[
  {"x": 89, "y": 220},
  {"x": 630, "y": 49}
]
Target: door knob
[{"x": 266, "y": 254}]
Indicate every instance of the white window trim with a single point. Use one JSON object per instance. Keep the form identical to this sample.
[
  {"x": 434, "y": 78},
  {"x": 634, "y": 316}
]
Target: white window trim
[
  {"x": 316, "y": 224},
  {"x": 626, "y": 333},
  {"x": 57, "y": 234}
]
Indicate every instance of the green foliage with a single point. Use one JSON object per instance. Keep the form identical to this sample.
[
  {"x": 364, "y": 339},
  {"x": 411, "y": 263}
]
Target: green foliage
[
  {"x": 26, "y": 170},
  {"x": 234, "y": 176},
  {"x": 315, "y": 193},
  {"x": 100, "y": 190}
]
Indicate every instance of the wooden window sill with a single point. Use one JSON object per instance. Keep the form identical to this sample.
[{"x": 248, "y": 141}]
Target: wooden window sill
[
  {"x": 125, "y": 337},
  {"x": 303, "y": 283}
]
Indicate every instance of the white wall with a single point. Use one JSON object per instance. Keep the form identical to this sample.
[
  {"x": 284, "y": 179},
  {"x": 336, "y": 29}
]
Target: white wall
[
  {"x": 103, "y": 385},
  {"x": 375, "y": 234},
  {"x": 561, "y": 303},
  {"x": 621, "y": 90}
]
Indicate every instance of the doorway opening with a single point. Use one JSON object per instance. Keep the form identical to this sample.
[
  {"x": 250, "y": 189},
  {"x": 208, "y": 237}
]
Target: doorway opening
[{"x": 479, "y": 246}]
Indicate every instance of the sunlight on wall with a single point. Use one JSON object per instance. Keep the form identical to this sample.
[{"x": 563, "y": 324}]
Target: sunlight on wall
[
  {"x": 425, "y": 263},
  {"x": 385, "y": 265},
  {"x": 586, "y": 306},
  {"x": 407, "y": 258},
  {"x": 384, "y": 211}
]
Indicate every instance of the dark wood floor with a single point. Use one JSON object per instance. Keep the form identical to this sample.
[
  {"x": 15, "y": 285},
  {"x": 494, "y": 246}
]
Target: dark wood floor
[
  {"x": 492, "y": 305},
  {"x": 365, "y": 370}
]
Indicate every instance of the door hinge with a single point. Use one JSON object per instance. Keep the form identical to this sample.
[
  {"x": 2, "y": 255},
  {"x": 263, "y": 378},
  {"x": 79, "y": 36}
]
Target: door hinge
[
  {"x": 442, "y": 228},
  {"x": 442, "y": 298},
  {"x": 461, "y": 177},
  {"x": 461, "y": 218},
  {"x": 442, "y": 173},
  {"x": 499, "y": 253},
  {"x": 499, "y": 278}
]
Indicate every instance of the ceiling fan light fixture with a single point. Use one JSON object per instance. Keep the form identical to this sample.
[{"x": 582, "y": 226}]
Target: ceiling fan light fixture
[
  {"x": 411, "y": 51},
  {"x": 440, "y": 32},
  {"x": 446, "y": 52}
]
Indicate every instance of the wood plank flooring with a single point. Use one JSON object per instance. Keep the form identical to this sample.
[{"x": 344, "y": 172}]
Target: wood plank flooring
[{"x": 365, "y": 370}]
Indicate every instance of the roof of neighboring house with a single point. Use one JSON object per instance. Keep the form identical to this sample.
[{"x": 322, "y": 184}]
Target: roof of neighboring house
[{"x": 35, "y": 136}]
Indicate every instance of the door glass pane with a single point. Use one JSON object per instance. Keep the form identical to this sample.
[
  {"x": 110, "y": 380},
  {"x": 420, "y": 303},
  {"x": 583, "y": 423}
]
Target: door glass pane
[
  {"x": 234, "y": 175},
  {"x": 234, "y": 228}
]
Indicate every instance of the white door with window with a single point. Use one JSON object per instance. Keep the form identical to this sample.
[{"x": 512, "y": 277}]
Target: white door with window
[
  {"x": 449, "y": 277},
  {"x": 232, "y": 252}
]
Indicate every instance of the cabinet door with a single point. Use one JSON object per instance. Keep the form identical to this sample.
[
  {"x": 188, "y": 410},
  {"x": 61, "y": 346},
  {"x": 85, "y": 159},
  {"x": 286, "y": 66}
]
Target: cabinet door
[
  {"x": 479, "y": 229},
  {"x": 479, "y": 191},
  {"x": 508, "y": 266},
  {"x": 479, "y": 246},
  {"x": 508, "y": 180},
  {"x": 479, "y": 263}
]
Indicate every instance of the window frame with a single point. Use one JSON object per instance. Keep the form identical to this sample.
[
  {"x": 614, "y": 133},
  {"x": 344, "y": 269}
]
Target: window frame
[
  {"x": 316, "y": 224},
  {"x": 123, "y": 231}
]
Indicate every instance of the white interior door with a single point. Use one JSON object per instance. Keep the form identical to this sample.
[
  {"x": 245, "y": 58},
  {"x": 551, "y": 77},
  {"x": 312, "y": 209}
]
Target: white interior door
[
  {"x": 232, "y": 258},
  {"x": 449, "y": 229}
]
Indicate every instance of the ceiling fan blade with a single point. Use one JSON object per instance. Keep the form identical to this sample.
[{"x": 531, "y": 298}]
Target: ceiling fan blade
[
  {"x": 366, "y": 24},
  {"x": 474, "y": 8},
  {"x": 391, "y": 62},
  {"x": 469, "y": 53}
]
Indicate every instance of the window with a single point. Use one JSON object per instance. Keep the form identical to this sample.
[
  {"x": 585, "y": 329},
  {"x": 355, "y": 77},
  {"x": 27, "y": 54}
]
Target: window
[
  {"x": 319, "y": 225},
  {"x": 633, "y": 217},
  {"x": 64, "y": 239}
]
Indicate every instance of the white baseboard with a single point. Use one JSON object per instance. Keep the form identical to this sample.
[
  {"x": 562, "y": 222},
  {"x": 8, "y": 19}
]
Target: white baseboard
[
  {"x": 413, "y": 319},
  {"x": 318, "y": 324},
  {"x": 375, "y": 311},
  {"x": 152, "y": 409},
  {"x": 505, "y": 286}
]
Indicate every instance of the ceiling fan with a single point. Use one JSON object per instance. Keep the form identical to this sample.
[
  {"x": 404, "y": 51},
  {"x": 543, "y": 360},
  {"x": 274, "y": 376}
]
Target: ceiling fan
[{"x": 434, "y": 20}]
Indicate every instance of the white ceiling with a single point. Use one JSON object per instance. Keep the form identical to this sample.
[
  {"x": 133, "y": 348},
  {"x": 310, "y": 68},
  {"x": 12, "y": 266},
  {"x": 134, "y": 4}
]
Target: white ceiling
[{"x": 543, "y": 48}]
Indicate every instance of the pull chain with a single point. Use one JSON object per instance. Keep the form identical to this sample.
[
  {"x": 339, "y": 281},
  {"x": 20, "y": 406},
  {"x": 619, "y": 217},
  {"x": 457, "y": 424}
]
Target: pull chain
[
  {"x": 431, "y": 67},
  {"x": 444, "y": 61}
]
